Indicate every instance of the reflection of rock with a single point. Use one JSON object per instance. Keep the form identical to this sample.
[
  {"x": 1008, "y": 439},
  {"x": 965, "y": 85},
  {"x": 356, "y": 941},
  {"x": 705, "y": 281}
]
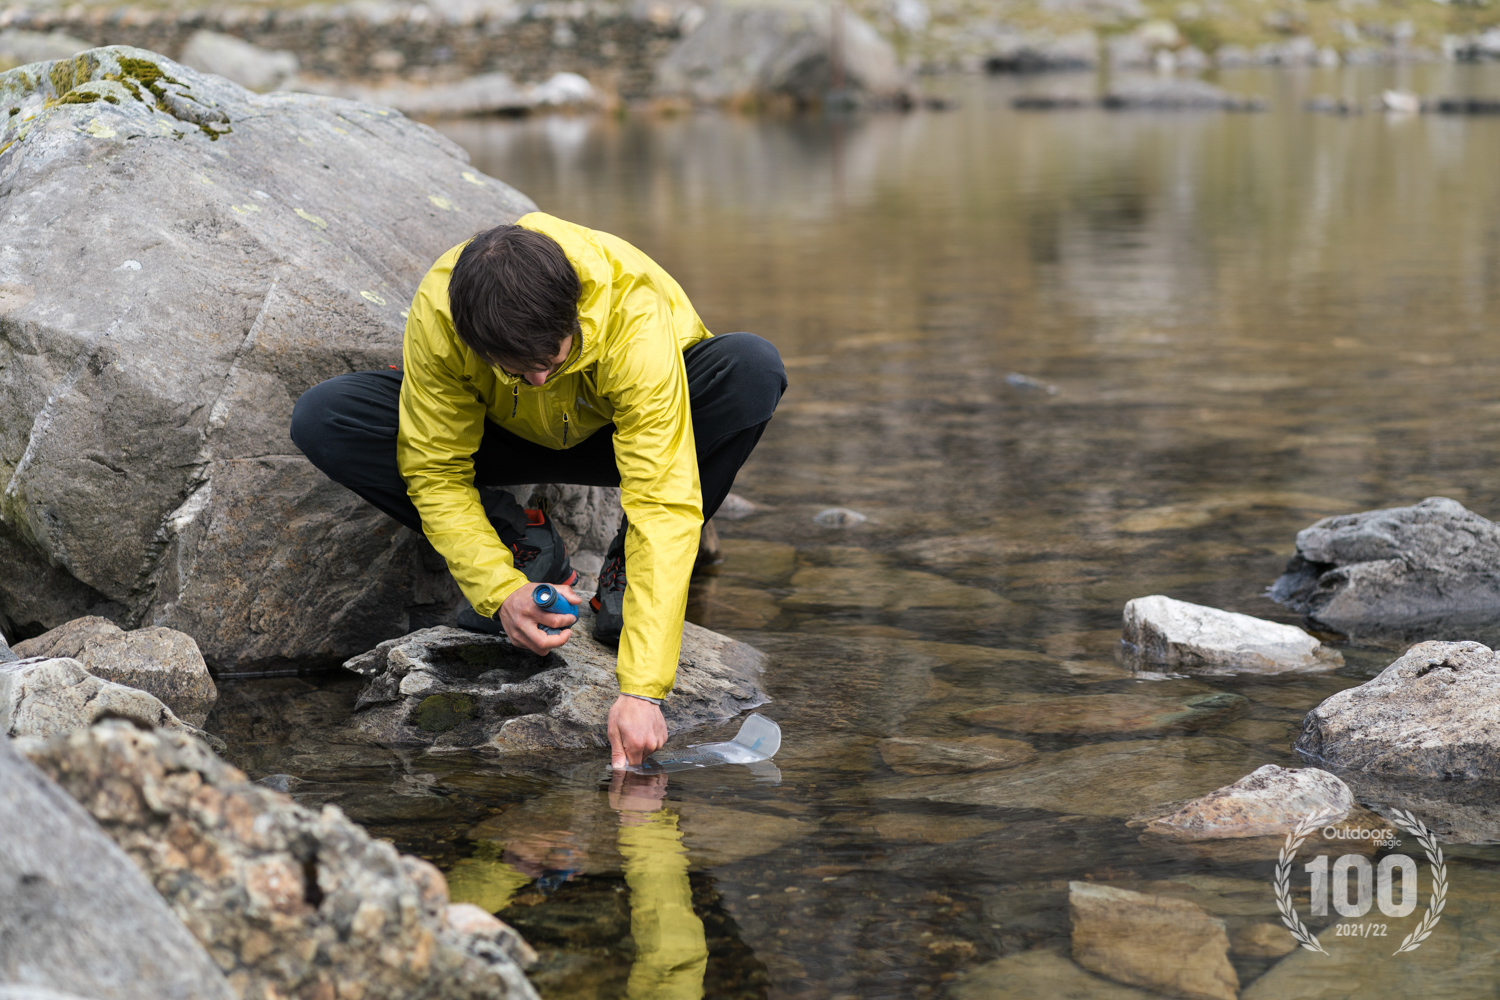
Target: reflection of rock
[
  {"x": 452, "y": 689},
  {"x": 235, "y": 59},
  {"x": 158, "y": 484},
  {"x": 289, "y": 901},
  {"x": 1431, "y": 714},
  {"x": 1171, "y": 94},
  {"x": 1105, "y": 779},
  {"x": 1164, "y": 944},
  {"x": 43, "y": 697},
  {"x": 1081, "y": 714},
  {"x": 1419, "y": 570},
  {"x": 1460, "y": 812},
  {"x": 1198, "y": 639},
  {"x": 744, "y": 50},
  {"x": 77, "y": 914},
  {"x": 160, "y": 661},
  {"x": 922, "y": 755}
]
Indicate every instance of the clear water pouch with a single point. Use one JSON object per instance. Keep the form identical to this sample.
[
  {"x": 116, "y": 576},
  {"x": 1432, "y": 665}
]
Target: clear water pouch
[{"x": 758, "y": 740}]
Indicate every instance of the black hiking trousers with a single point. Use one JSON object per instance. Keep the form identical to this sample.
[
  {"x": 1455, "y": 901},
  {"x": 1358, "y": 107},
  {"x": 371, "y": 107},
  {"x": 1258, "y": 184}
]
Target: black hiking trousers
[{"x": 347, "y": 425}]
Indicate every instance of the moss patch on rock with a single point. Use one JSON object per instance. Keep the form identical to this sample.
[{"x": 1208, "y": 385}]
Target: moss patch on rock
[{"x": 439, "y": 713}]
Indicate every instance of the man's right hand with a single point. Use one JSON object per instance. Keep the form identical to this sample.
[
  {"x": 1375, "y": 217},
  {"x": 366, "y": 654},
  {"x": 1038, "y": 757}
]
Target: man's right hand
[{"x": 523, "y": 620}]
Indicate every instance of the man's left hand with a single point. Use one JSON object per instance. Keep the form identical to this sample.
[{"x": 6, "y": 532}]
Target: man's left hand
[{"x": 636, "y": 731}]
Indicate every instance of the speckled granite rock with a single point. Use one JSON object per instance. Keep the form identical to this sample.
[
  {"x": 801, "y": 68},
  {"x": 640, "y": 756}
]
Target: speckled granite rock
[
  {"x": 78, "y": 918},
  {"x": 289, "y": 902},
  {"x": 451, "y": 689},
  {"x": 42, "y": 697}
]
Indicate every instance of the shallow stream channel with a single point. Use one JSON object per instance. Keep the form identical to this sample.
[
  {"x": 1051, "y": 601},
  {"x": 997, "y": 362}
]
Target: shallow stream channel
[{"x": 1057, "y": 360}]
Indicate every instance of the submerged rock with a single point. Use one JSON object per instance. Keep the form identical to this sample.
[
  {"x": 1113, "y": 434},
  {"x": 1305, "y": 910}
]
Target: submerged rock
[
  {"x": 1040, "y": 972},
  {"x": 78, "y": 917},
  {"x": 1431, "y": 714},
  {"x": 451, "y": 689},
  {"x": 208, "y": 255},
  {"x": 1083, "y": 714},
  {"x": 160, "y": 661},
  {"x": 757, "y": 50},
  {"x": 1169, "y": 945},
  {"x": 1196, "y": 639},
  {"x": 1270, "y": 801},
  {"x": 1118, "y": 778},
  {"x": 289, "y": 901},
  {"x": 42, "y": 697},
  {"x": 1419, "y": 570},
  {"x": 921, "y": 755}
]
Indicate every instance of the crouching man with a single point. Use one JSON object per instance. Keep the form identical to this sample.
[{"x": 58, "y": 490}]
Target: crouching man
[{"x": 544, "y": 352}]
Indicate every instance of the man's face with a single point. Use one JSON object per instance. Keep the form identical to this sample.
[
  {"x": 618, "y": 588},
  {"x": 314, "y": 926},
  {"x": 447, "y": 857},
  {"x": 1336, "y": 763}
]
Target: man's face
[{"x": 539, "y": 375}]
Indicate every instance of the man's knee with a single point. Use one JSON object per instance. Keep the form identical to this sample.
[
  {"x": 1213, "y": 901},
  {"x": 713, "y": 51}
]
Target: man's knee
[
  {"x": 743, "y": 373},
  {"x": 333, "y": 419}
]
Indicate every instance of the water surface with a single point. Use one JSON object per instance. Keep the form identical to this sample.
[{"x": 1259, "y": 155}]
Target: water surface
[{"x": 1233, "y": 324}]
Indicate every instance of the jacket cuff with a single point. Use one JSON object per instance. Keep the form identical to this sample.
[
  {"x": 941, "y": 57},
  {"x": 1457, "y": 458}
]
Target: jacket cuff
[
  {"x": 658, "y": 702},
  {"x": 490, "y": 606}
]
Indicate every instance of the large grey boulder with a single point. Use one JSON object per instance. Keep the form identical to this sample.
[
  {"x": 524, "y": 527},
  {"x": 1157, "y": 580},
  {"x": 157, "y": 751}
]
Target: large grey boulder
[
  {"x": 43, "y": 697},
  {"x": 1424, "y": 570},
  {"x": 451, "y": 689},
  {"x": 78, "y": 917},
  {"x": 748, "y": 50},
  {"x": 160, "y": 661},
  {"x": 290, "y": 902},
  {"x": 1431, "y": 714},
  {"x": 1162, "y": 632},
  {"x": 184, "y": 258}
]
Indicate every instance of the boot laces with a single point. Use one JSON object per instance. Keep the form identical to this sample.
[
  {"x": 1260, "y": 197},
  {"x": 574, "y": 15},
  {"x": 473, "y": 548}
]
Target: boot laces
[
  {"x": 523, "y": 553},
  {"x": 612, "y": 577}
]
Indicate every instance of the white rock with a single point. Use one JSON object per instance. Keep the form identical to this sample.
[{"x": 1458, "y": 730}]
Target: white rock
[
  {"x": 1198, "y": 639},
  {"x": 564, "y": 88},
  {"x": 43, "y": 697},
  {"x": 1267, "y": 802}
]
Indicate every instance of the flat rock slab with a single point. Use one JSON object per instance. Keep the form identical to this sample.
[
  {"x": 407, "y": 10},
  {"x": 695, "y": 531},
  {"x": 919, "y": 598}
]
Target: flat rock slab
[
  {"x": 1038, "y": 974},
  {"x": 1164, "y": 633},
  {"x": 185, "y": 259},
  {"x": 79, "y": 917},
  {"x": 450, "y": 689},
  {"x": 922, "y": 755},
  {"x": 290, "y": 902},
  {"x": 1103, "y": 779},
  {"x": 1086, "y": 714},
  {"x": 1158, "y": 942},
  {"x": 1426, "y": 570},
  {"x": 1431, "y": 714},
  {"x": 162, "y": 662}
]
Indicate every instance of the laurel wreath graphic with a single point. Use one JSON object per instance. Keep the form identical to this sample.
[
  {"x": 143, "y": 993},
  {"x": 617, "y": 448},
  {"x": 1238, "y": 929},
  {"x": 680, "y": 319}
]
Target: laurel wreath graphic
[
  {"x": 1406, "y": 821},
  {"x": 1294, "y": 839},
  {"x": 1403, "y": 819}
]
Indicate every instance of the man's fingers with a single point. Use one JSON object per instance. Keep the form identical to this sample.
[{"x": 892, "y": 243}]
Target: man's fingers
[
  {"x": 556, "y": 621},
  {"x": 617, "y": 756},
  {"x": 569, "y": 593}
]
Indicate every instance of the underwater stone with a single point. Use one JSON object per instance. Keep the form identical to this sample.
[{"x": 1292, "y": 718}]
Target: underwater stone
[
  {"x": 1157, "y": 942},
  {"x": 1137, "y": 714}
]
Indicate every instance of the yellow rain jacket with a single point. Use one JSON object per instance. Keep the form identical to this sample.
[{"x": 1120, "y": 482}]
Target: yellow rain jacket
[{"x": 626, "y": 368}]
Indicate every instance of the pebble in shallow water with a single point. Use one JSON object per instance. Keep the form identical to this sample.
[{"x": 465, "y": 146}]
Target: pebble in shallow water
[{"x": 839, "y": 517}]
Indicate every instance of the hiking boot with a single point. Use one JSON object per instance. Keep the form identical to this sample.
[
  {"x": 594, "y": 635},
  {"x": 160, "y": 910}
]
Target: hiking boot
[
  {"x": 609, "y": 600},
  {"x": 536, "y": 549},
  {"x": 535, "y": 546}
]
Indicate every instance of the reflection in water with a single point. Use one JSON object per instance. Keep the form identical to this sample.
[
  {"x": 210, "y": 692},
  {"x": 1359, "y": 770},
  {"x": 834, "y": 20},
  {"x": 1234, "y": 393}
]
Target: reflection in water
[{"x": 1252, "y": 321}]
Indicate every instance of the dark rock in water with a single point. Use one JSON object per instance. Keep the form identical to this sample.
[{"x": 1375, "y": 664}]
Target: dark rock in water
[
  {"x": 160, "y": 661},
  {"x": 1432, "y": 714},
  {"x": 1038, "y": 52},
  {"x": 1332, "y": 106},
  {"x": 1171, "y": 94},
  {"x": 1052, "y": 102},
  {"x": 208, "y": 254},
  {"x": 1422, "y": 570},
  {"x": 78, "y": 917},
  {"x": 290, "y": 902},
  {"x": 1464, "y": 106},
  {"x": 451, "y": 689}
]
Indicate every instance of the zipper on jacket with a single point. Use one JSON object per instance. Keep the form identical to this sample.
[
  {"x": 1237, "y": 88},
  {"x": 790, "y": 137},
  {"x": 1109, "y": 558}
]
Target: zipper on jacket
[
  {"x": 515, "y": 398},
  {"x": 565, "y": 430}
]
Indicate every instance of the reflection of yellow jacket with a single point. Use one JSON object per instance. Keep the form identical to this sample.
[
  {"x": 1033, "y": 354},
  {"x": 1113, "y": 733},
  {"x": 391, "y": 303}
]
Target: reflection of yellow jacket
[{"x": 625, "y": 368}]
